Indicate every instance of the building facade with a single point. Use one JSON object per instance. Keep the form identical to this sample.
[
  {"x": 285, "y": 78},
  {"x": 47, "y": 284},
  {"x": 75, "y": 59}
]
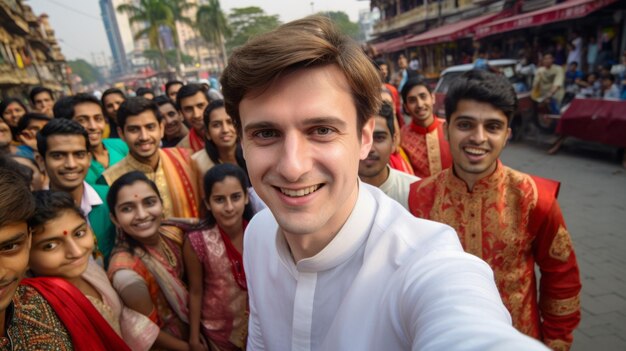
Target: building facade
[{"x": 29, "y": 52}]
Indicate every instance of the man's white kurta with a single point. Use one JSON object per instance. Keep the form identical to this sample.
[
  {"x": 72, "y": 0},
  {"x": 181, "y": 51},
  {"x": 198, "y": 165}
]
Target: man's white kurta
[{"x": 387, "y": 281}]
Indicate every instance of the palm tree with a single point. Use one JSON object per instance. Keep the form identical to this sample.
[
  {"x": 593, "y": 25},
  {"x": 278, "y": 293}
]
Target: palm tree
[
  {"x": 178, "y": 8},
  {"x": 153, "y": 14},
  {"x": 213, "y": 26}
]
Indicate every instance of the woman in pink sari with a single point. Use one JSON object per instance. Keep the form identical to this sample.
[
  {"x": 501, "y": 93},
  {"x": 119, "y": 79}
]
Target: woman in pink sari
[
  {"x": 146, "y": 265},
  {"x": 218, "y": 301}
]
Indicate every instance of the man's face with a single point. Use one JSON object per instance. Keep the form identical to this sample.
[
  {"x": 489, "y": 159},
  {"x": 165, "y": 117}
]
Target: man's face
[
  {"x": 548, "y": 60},
  {"x": 5, "y": 134},
  {"x": 44, "y": 103},
  {"x": 302, "y": 146},
  {"x": 61, "y": 247},
  {"x": 14, "y": 247},
  {"x": 419, "y": 104},
  {"x": 67, "y": 161},
  {"x": 221, "y": 129},
  {"x": 192, "y": 108},
  {"x": 378, "y": 157},
  {"x": 402, "y": 62},
  {"x": 606, "y": 83},
  {"x": 173, "y": 90},
  {"x": 384, "y": 71},
  {"x": 477, "y": 133},
  {"x": 573, "y": 67},
  {"x": 112, "y": 103},
  {"x": 172, "y": 119},
  {"x": 143, "y": 133},
  {"x": 29, "y": 135},
  {"x": 89, "y": 115}
]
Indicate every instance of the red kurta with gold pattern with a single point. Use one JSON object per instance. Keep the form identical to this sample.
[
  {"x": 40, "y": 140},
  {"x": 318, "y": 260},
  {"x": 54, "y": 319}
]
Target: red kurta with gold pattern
[
  {"x": 512, "y": 221},
  {"x": 427, "y": 148}
]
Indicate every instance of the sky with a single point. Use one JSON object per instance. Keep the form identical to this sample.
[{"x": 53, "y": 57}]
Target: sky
[{"x": 78, "y": 24}]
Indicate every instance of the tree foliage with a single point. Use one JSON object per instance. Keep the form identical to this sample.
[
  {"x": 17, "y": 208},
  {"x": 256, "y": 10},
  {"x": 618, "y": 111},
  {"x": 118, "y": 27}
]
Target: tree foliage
[
  {"x": 246, "y": 22},
  {"x": 342, "y": 21},
  {"x": 154, "y": 14},
  {"x": 212, "y": 25},
  {"x": 85, "y": 71}
]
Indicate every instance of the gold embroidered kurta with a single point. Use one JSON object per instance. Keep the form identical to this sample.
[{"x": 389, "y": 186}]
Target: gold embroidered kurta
[
  {"x": 427, "y": 149},
  {"x": 513, "y": 221},
  {"x": 173, "y": 177}
]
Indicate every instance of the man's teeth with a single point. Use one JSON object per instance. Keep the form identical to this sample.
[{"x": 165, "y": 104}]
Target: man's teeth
[
  {"x": 299, "y": 192},
  {"x": 474, "y": 151}
]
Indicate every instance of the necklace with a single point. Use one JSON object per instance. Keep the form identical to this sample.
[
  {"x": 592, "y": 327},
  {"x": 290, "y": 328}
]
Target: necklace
[{"x": 167, "y": 252}]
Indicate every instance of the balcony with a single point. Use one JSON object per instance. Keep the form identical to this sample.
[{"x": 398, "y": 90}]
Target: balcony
[{"x": 421, "y": 13}]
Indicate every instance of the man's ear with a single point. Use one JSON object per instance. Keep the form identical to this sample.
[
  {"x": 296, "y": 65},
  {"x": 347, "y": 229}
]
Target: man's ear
[
  {"x": 367, "y": 137},
  {"x": 40, "y": 162},
  {"x": 445, "y": 130},
  {"x": 120, "y": 132}
]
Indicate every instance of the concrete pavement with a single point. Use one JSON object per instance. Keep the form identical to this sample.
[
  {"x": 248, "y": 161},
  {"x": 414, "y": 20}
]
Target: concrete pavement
[{"x": 593, "y": 201}]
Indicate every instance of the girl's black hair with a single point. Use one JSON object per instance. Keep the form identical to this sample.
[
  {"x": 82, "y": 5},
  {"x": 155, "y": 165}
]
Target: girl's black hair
[
  {"x": 50, "y": 205},
  {"x": 209, "y": 145},
  {"x": 218, "y": 173}
]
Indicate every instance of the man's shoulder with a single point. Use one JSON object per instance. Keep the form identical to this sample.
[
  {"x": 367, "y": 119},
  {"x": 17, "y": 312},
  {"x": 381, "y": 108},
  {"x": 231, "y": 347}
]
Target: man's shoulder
[
  {"x": 117, "y": 170},
  {"x": 184, "y": 142},
  {"x": 34, "y": 319},
  {"x": 115, "y": 144},
  {"x": 401, "y": 179},
  {"x": 393, "y": 222},
  {"x": 430, "y": 182}
]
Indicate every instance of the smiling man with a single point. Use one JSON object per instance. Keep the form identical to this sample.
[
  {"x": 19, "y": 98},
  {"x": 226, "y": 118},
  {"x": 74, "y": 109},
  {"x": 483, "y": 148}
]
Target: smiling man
[
  {"x": 510, "y": 219},
  {"x": 192, "y": 99},
  {"x": 87, "y": 111},
  {"x": 423, "y": 139},
  {"x": 140, "y": 125},
  {"x": 375, "y": 169},
  {"x": 20, "y": 305},
  {"x": 42, "y": 100},
  {"x": 175, "y": 129},
  {"x": 334, "y": 264},
  {"x": 64, "y": 147}
]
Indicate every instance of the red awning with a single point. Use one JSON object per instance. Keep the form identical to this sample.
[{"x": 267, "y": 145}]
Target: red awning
[
  {"x": 391, "y": 45},
  {"x": 450, "y": 32},
  {"x": 567, "y": 10}
]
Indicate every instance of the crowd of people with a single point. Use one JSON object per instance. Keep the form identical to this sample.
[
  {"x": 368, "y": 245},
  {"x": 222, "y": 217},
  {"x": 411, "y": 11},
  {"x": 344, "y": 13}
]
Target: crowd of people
[{"x": 122, "y": 219}]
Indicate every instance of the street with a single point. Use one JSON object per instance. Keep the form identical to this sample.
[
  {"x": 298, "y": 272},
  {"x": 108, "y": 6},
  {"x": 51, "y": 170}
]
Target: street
[{"x": 593, "y": 201}]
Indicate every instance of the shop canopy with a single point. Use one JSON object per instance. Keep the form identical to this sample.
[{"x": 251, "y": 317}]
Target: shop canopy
[
  {"x": 452, "y": 31},
  {"x": 391, "y": 45},
  {"x": 567, "y": 10}
]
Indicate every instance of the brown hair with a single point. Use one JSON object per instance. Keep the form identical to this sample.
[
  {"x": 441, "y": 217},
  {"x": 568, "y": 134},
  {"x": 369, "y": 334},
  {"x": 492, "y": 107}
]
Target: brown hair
[
  {"x": 16, "y": 202},
  {"x": 308, "y": 42}
]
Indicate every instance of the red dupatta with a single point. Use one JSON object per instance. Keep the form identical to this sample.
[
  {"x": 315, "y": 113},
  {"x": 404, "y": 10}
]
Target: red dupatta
[{"x": 88, "y": 329}]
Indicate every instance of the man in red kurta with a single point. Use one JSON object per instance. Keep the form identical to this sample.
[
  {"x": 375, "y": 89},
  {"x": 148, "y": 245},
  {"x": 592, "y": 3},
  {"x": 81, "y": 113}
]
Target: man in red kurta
[
  {"x": 510, "y": 219},
  {"x": 423, "y": 139}
]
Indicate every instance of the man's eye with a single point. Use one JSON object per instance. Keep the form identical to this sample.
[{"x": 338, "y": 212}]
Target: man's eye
[
  {"x": 9, "y": 248},
  {"x": 265, "y": 134}
]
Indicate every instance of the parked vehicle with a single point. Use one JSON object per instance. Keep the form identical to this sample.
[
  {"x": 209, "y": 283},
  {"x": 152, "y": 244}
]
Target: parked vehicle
[{"x": 525, "y": 110}]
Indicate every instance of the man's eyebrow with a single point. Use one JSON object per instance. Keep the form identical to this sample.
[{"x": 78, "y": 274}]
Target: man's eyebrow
[
  {"x": 17, "y": 237},
  {"x": 325, "y": 120},
  {"x": 260, "y": 125}
]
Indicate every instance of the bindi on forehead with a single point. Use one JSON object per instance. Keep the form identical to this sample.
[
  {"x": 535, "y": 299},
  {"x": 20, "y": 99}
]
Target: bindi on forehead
[{"x": 65, "y": 232}]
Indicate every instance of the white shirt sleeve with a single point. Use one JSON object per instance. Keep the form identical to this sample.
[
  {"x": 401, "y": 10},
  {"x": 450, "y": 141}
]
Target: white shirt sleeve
[{"x": 451, "y": 302}]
